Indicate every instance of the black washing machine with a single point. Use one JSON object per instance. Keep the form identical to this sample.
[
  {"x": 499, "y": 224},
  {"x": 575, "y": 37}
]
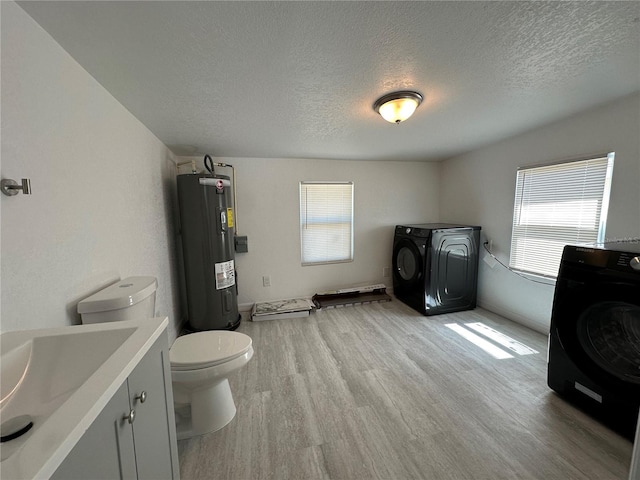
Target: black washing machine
[
  {"x": 594, "y": 342},
  {"x": 435, "y": 266}
]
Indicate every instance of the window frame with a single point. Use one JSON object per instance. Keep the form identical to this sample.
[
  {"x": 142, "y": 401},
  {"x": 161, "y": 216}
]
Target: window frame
[
  {"x": 557, "y": 233},
  {"x": 304, "y": 223}
]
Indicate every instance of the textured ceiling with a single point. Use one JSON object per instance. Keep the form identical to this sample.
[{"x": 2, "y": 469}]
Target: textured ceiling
[{"x": 298, "y": 79}]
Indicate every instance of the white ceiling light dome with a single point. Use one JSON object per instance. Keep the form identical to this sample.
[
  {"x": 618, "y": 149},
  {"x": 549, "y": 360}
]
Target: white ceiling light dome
[{"x": 396, "y": 107}]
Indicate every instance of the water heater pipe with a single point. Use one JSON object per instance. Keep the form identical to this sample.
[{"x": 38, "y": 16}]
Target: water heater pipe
[{"x": 193, "y": 165}]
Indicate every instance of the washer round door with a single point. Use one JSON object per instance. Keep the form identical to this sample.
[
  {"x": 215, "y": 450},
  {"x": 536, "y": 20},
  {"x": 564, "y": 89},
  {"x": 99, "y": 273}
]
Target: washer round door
[{"x": 408, "y": 262}]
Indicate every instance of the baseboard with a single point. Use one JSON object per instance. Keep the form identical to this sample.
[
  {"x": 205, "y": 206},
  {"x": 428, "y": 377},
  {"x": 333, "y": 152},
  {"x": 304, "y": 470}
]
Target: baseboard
[
  {"x": 245, "y": 307},
  {"x": 516, "y": 317}
]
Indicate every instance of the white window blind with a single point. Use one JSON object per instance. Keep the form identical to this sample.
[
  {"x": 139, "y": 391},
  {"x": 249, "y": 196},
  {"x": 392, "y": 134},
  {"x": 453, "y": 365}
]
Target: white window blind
[
  {"x": 557, "y": 205},
  {"x": 326, "y": 222}
]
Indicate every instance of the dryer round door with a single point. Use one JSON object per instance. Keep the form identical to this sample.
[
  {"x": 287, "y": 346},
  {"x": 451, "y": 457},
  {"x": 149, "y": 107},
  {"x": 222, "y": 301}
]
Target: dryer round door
[
  {"x": 609, "y": 332},
  {"x": 408, "y": 262},
  {"x": 600, "y": 331}
]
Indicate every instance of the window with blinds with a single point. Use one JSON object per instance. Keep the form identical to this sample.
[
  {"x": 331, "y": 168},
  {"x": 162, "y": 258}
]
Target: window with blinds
[
  {"x": 557, "y": 205},
  {"x": 326, "y": 222}
]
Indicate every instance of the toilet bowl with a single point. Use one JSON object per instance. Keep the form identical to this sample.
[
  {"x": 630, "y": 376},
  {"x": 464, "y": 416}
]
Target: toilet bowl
[
  {"x": 201, "y": 362},
  {"x": 200, "y": 366}
]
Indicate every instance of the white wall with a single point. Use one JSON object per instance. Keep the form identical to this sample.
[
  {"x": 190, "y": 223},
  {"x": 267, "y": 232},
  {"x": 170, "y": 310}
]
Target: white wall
[
  {"x": 479, "y": 188},
  {"x": 385, "y": 194},
  {"x": 102, "y": 186}
]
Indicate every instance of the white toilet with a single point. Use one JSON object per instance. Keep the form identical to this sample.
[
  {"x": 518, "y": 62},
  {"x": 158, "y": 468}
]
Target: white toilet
[{"x": 200, "y": 362}]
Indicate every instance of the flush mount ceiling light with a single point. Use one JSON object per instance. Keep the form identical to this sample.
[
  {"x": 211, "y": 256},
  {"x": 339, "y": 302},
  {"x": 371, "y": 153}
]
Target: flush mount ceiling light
[{"x": 396, "y": 107}]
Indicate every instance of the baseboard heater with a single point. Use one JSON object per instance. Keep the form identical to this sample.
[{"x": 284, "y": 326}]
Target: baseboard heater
[{"x": 351, "y": 296}]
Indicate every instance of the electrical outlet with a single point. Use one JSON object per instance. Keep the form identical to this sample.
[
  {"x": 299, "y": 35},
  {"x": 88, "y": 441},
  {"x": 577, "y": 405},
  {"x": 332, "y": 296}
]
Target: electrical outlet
[
  {"x": 386, "y": 271},
  {"x": 266, "y": 280}
]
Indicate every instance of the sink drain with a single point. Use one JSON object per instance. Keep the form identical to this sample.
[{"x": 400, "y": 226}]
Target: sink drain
[{"x": 15, "y": 427}]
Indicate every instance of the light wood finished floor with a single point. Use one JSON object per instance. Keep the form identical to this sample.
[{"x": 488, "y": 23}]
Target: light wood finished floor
[{"x": 380, "y": 391}]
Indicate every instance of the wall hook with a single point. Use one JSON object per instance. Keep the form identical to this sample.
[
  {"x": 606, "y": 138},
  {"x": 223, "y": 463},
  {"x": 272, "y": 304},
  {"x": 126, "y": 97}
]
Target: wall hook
[{"x": 10, "y": 187}]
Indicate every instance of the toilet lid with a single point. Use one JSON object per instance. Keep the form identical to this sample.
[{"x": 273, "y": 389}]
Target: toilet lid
[{"x": 205, "y": 349}]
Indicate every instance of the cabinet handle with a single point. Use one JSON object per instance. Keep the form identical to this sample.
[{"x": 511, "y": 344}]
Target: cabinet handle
[
  {"x": 142, "y": 397},
  {"x": 130, "y": 417}
]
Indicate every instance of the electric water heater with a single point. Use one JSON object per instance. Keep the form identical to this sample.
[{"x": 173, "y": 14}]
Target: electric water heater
[{"x": 206, "y": 228}]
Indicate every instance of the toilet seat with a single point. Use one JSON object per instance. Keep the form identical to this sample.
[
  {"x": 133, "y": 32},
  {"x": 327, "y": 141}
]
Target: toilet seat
[{"x": 207, "y": 349}]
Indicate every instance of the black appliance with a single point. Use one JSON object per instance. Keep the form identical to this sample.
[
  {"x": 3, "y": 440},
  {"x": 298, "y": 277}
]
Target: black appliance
[
  {"x": 206, "y": 227},
  {"x": 435, "y": 266},
  {"x": 594, "y": 342}
]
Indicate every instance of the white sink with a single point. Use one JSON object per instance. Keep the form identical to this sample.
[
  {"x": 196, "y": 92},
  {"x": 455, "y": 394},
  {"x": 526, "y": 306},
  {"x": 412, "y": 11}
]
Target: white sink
[
  {"x": 40, "y": 373},
  {"x": 14, "y": 363},
  {"x": 60, "y": 379}
]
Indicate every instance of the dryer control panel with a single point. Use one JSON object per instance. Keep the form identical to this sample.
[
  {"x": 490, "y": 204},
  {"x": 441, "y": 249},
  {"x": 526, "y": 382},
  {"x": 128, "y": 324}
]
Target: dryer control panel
[{"x": 603, "y": 256}]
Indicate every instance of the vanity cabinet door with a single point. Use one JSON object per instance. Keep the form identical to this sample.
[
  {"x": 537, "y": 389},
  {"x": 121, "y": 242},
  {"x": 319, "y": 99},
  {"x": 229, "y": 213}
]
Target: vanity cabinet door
[
  {"x": 151, "y": 398},
  {"x": 106, "y": 450}
]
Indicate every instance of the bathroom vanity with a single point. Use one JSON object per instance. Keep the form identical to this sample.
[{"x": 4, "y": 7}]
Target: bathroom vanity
[
  {"x": 115, "y": 420},
  {"x": 131, "y": 437}
]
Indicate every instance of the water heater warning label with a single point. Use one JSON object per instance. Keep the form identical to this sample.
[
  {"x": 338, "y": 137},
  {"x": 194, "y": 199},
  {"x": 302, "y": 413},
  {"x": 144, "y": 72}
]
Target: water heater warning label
[
  {"x": 225, "y": 275},
  {"x": 230, "y": 217}
]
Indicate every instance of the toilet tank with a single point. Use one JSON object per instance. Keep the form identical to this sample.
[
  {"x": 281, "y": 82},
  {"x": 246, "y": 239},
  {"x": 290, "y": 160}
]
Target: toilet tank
[{"x": 129, "y": 299}]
